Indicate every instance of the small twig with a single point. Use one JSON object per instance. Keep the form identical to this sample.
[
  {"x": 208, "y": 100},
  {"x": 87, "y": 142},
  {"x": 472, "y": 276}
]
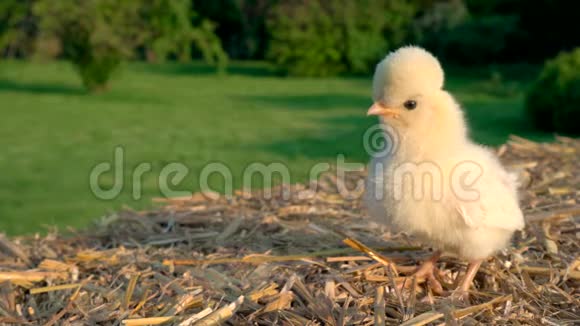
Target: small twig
[
  {"x": 30, "y": 276},
  {"x": 130, "y": 290},
  {"x": 380, "y": 306},
  {"x": 550, "y": 271},
  {"x": 430, "y": 316},
  {"x": 372, "y": 253},
  {"x": 54, "y": 288},
  {"x": 12, "y": 249},
  {"x": 195, "y": 318},
  {"x": 147, "y": 321},
  {"x": 219, "y": 316},
  {"x": 68, "y": 306}
]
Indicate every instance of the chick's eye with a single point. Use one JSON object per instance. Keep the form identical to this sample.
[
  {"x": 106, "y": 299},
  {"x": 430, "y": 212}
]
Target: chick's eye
[{"x": 410, "y": 104}]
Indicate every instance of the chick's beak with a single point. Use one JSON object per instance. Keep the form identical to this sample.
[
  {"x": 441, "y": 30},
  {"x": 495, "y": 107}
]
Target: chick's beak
[{"x": 378, "y": 109}]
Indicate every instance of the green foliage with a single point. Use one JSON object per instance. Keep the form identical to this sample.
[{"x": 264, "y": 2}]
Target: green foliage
[
  {"x": 169, "y": 28},
  {"x": 95, "y": 35},
  {"x": 241, "y": 25},
  {"x": 544, "y": 28},
  {"x": 553, "y": 103},
  {"x": 478, "y": 40},
  {"x": 449, "y": 30},
  {"x": 17, "y": 28},
  {"x": 305, "y": 41},
  {"x": 438, "y": 18},
  {"x": 210, "y": 45},
  {"x": 169, "y": 33},
  {"x": 322, "y": 38},
  {"x": 371, "y": 28}
]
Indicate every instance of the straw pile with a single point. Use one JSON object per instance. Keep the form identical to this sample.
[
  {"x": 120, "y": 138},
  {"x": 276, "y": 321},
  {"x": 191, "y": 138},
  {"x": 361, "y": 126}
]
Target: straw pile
[{"x": 297, "y": 261}]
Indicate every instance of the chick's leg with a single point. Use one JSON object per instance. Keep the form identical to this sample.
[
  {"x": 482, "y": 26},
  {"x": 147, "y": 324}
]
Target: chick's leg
[
  {"x": 425, "y": 271},
  {"x": 462, "y": 290}
]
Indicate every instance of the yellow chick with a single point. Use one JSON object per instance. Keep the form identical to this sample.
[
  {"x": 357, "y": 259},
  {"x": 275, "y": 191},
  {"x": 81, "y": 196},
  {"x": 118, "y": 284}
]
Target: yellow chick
[{"x": 435, "y": 183}]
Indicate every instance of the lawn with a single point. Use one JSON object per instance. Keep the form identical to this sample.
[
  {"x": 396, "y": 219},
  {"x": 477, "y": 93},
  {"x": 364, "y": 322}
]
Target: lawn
[{"x": 52, "y": 134}]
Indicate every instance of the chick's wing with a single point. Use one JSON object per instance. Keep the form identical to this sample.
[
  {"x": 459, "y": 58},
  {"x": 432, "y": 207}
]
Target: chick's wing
[{"x": 492, "y": 200}]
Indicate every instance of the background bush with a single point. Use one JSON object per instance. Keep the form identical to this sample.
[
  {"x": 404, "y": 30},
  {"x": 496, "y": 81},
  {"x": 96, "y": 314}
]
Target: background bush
[
  {"x": 452, "y": 33},
  {"x": 97, "y": 35},
  {"x": 300, "y": 37},
  {"x": 321, "y": 38},
  {"x": 553, "y": 102},
  {"x": 305, "y": 39},
  {"x": 170, "y": 33},
  {"x": 18, "y": 28},
  {"x": 240, "y": 24}
]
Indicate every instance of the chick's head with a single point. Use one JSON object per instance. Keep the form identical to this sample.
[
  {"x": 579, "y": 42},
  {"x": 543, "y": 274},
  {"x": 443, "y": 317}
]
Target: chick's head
[{"x": 408, "y": 93}]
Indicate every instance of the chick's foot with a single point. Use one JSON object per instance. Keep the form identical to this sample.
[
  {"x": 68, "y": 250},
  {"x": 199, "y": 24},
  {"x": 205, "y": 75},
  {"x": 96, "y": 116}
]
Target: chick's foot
[
  {"x": 425, "y": 272},
  {"x": 462, "y": 291}
]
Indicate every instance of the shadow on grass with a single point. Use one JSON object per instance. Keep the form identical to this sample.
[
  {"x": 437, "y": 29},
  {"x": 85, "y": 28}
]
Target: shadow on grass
[
  {"x": 310, "y": 102},
  {"x": 338, "y": 132},
  {"x": 113, "y": 95},
  {"x": 39, "y": 88},
  {"x": 255, "y": 69},
  {"x": 336, "y": 136},
  {"x": 491, "y": 121}
]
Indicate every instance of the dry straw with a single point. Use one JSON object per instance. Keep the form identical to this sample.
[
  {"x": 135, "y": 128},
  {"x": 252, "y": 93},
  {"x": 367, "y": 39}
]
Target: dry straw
[{"x": 253, "y": 261}]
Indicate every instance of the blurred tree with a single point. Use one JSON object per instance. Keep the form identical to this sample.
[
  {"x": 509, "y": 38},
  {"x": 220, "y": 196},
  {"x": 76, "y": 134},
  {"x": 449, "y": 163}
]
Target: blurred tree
[
  {"x": 18, "y": 28},
  {"x": 320, "y": 38},
  {"x": 435, "y": 18},
  {"x": 371, "y": 28},
  {"x": 167, "y": 29},
  {"x": 553, "y": 102},
  {"x": 305, "y": 40},
  {"x": 241, "y": 25},
  {"x": 168, "y": 32},
  {"x": 337, "y": 35},
  {"x": 95, "y": 35},
  {"x": 455, "y": 34},
  {"x": 483, "y": 31}
]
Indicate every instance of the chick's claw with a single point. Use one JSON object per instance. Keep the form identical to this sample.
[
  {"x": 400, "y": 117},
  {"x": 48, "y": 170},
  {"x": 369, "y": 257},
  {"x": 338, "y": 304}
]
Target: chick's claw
[
  {"x": 426, "y": 272},
  {"x": 432, "y": 282}
]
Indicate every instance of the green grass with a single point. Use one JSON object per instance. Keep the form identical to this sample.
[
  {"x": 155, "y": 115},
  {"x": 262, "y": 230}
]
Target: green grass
[{"x": 52, "y": 134}]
